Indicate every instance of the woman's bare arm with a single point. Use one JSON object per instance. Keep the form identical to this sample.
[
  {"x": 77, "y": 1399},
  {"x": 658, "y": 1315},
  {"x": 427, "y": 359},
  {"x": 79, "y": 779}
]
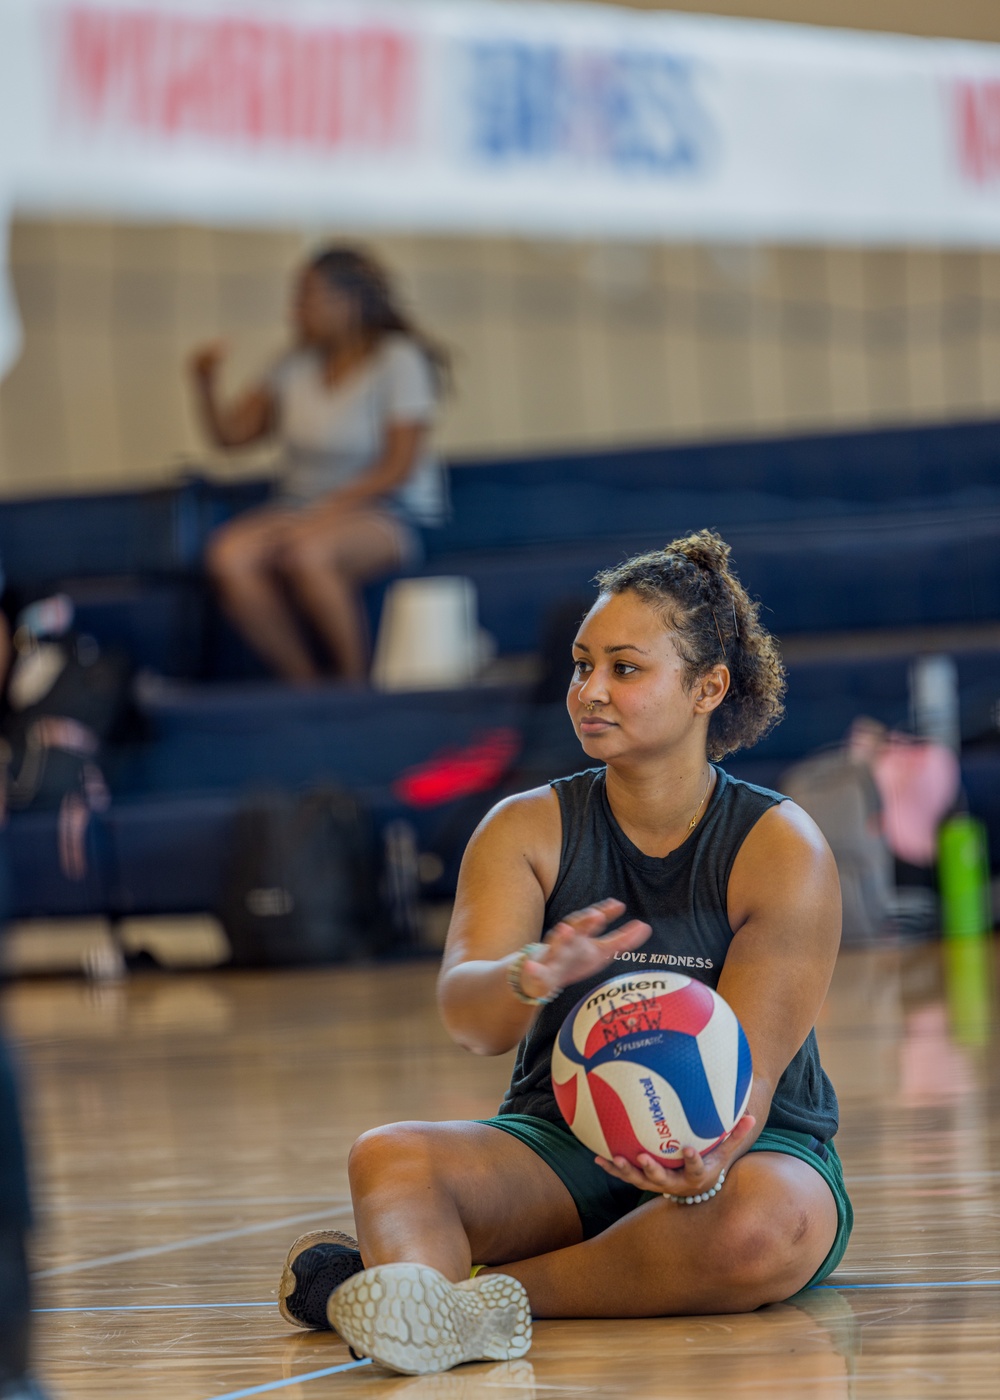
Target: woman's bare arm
[
  {"x": 784, "y": 904},
  {"x": 508, "y": 871},
  {"x": 244, "y": 420}
]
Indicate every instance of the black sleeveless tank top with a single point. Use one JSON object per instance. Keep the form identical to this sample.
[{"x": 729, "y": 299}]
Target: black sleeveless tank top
[{"x": 682, "y": 897}]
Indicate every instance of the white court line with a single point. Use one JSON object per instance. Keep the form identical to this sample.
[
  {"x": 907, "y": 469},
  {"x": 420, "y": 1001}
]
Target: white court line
[{"x": 194, "y": 1242}]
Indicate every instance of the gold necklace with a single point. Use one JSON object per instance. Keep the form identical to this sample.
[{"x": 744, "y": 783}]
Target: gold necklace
[{"x": 694, "y": 820}]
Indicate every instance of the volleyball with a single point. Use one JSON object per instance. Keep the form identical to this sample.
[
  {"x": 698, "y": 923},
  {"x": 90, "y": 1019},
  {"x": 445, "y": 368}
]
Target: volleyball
[{"x": 651, "y": 1063}]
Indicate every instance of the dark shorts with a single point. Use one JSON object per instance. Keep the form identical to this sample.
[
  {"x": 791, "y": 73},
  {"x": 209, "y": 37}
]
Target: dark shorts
[{"x": 600, "y": 1199}]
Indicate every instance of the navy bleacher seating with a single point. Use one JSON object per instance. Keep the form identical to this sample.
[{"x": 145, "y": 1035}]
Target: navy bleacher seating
[
  {"x": 154, "y": 533},
  {"x": 132, "y": 563},
  {"x": 235, "y": 736},
  {"x": 812, "y": 576},
  {"x": 836, "y": 534},
  {"x": 877, "y": 529},
  {"x": 585, "y": 496}
]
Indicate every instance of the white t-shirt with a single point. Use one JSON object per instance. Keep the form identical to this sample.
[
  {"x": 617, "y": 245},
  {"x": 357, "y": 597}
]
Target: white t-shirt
[{"x": 333, "y": 433}]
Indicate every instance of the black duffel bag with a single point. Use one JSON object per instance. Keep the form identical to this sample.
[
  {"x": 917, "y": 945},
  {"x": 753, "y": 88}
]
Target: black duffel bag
[{"x": 303, "y": 881}]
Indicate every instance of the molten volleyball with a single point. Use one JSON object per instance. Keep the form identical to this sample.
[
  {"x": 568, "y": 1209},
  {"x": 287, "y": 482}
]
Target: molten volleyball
[{"x": 651, "y": 1063}]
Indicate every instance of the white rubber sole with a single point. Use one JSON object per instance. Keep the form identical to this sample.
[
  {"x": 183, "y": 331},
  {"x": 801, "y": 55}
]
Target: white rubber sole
[
  {"x": 411, "y": 1319},
  {"x": 288, "y": 1281}
]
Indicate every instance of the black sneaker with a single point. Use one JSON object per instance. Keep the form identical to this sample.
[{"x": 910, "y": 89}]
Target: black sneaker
[{"x": 317, "y": 1263}]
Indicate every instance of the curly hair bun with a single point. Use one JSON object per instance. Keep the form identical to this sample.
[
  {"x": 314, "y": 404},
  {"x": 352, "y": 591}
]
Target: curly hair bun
[{"x": 706, "y": 548}]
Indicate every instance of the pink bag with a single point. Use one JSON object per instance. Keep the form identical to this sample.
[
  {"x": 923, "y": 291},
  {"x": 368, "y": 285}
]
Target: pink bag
[{"x": 918, "y": 782}]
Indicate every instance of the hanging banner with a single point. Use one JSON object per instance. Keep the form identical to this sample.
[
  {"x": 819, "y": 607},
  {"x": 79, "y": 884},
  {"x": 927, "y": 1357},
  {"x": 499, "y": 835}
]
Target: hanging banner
[{"x": 560, "y": 120}]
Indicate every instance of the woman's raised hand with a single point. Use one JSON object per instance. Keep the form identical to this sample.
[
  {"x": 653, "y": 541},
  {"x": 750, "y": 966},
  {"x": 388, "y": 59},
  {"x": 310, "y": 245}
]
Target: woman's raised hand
[
  {"x": 575, "y": 949},
  {"x": 205, "y": 361}
]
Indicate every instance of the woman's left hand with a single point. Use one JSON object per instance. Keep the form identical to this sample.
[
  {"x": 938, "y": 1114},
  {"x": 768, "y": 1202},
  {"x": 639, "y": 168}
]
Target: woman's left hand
[{"x": 697, "y": 1175}]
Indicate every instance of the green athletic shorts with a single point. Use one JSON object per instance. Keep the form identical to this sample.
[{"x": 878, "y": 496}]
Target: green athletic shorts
[{"x": 602, "y": 1199}]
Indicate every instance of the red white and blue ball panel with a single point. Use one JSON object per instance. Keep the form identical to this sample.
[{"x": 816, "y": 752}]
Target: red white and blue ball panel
[{"x": 651, "y": 1063}]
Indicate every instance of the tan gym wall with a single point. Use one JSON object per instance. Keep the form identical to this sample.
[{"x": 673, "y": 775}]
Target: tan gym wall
[{"x": 556, "y": 345}]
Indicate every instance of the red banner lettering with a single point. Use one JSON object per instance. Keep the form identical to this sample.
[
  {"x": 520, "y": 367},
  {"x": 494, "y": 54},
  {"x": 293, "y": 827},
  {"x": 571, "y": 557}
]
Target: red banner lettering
[
  {"x": 978, "y": 121},
  {"x": 238, "y": 80}
]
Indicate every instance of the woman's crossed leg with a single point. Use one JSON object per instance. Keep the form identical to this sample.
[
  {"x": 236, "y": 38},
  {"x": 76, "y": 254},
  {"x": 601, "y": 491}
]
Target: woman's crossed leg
[{"x": 455, "y": 1194}]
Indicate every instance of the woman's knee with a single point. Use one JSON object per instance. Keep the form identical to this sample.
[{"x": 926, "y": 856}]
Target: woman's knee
[
  {"x": 757, "y": 1257},
  {"x": 356, "y": 547},
  {"x": 250, "y": 543},
  {"x": 231, "y": 554},
  {"x": 395, "y": 1149},
  {"x": 302, "y": 560}
]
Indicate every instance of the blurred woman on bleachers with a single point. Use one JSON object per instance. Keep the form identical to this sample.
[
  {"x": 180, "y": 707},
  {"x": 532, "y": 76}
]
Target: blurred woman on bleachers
[{"x": 352, "y": 405}]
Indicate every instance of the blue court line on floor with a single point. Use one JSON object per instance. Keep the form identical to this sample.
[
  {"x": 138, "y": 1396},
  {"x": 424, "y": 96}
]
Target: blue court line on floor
[
  {"x": 293, "y": 1380},
  {"x": 155, "y": 1307},
  {"x": 942, "y": 1283}
]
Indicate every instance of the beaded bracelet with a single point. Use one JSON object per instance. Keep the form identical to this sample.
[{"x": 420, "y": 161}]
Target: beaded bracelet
[
  {"x": 529, "y": 952},
  {"x": 702, "y": 1198}
]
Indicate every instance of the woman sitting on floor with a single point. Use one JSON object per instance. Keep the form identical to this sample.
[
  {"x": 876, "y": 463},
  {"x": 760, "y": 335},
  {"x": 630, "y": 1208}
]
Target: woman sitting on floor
[{"x": 671, "y": 670}]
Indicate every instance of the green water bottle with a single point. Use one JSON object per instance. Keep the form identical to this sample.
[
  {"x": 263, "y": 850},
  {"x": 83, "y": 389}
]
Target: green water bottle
[
  {"x": 968, "y": 980},
  {"x": 964, "y": 878}
]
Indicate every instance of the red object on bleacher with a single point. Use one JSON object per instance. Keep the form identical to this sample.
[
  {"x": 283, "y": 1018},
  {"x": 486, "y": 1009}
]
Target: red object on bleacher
[{"x": 455, "y": 773}]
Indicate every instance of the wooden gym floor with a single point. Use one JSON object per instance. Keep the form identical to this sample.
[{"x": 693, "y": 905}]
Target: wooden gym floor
[{"x": 186, "y": 1127}]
